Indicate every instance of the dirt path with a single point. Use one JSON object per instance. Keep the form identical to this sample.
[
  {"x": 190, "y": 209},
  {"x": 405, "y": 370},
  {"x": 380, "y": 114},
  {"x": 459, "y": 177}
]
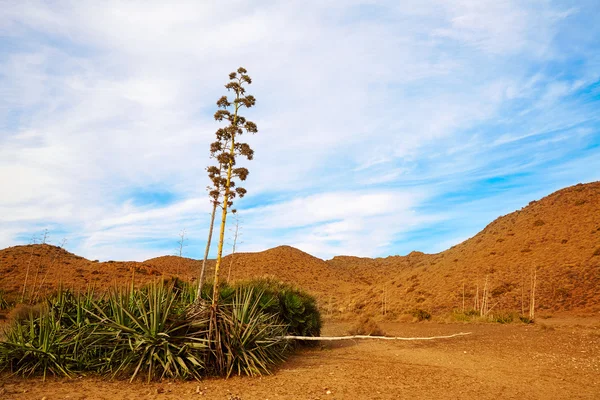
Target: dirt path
[{"x": 496, "y": 362}]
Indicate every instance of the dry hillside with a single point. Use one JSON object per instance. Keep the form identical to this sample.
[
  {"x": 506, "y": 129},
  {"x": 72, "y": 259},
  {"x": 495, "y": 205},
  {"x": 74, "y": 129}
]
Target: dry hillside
[
  {"x": 557, "y": 239},
  {"x": 41, "y": 268}
]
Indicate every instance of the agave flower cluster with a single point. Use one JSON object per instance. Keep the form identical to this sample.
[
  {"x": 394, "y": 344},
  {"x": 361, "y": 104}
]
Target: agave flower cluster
[{"x": 227, "y": 146}]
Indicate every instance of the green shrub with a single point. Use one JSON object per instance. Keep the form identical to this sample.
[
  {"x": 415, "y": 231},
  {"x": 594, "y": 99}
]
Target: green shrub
[{"x": 502, "y": 318}]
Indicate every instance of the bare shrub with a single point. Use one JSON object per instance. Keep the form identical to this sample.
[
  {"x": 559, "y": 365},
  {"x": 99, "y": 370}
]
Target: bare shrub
[{"x": 366, "y": 326}]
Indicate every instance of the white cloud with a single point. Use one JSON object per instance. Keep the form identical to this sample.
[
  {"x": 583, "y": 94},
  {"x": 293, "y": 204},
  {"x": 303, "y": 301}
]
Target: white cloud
[
  {"x": 363, "y": 223},
  {"x": 333, "y": 206}
]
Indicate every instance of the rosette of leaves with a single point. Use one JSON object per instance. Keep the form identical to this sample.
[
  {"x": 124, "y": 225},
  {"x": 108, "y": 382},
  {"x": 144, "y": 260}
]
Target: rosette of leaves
[
  {"x": 140, "y": 332},
  {"x": 251, "y": 339}
]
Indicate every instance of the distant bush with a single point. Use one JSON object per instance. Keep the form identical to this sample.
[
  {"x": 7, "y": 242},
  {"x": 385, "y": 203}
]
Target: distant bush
[
  {"x": 539, "y": 222},
  {"x": 525, "y": 320},
  {"x": 420, "y": 315},
  {"x": 366, "y": 326},
  {"x": 502, "y": 318},
  {"x": 498, "y": 317},
  {"x": 597, "y": 252}
]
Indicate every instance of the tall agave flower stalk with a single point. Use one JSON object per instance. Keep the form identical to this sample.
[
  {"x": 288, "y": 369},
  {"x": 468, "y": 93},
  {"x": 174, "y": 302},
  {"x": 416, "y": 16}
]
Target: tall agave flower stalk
[{"x": 226, "y": 149}]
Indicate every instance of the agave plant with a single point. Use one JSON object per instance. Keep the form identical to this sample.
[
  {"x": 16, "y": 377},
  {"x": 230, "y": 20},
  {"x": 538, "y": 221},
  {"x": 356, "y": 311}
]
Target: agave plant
[
  {"x": 159, "y": 331},
  {"x": 37, "y": 344},
  {"x": 249, "y": 338},
  {"x": 137, "y": 331}
]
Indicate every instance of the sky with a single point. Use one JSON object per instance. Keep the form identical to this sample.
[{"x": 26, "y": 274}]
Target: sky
[{"x": 383, "y": 126}]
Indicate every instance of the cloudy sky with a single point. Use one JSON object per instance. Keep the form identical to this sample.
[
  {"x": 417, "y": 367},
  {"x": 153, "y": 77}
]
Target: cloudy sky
[{"x": 384, "y": 126}]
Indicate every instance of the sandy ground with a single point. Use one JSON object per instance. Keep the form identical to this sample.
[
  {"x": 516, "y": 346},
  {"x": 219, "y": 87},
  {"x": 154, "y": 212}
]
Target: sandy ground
[{"x": 554, "y": 359}]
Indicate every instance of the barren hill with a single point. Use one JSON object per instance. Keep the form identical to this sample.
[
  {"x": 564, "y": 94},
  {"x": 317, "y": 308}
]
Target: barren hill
[
  {"x": 40, "y": 268},
  {"x": 284, "y": 263},
  {"x": 555, "y": 239}
]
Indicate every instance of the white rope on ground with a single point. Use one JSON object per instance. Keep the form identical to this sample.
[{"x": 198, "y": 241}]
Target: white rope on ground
[{"x": 371, "y": 337}]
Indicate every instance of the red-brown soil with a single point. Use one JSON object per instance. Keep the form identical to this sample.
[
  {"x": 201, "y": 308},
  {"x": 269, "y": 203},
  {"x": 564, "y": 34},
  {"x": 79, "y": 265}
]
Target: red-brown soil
[
  {"x": 548, "y": 360},
  {"x": 558, "y": 237}
]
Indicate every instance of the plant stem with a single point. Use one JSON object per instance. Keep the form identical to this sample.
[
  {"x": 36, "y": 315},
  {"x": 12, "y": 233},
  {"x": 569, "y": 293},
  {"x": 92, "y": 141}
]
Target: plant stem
[
  {"x": 225, "y": 204},
  {"x": 203, "y": 270},
  {"x": 237, "y": 226}
]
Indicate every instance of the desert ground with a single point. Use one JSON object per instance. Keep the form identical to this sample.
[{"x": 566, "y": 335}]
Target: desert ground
[{"x": 557, "y": 358}]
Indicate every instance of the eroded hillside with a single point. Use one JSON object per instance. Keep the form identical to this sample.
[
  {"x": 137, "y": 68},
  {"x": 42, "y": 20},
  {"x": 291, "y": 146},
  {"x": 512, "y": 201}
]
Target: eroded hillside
[{"x": 555, "y": 239}]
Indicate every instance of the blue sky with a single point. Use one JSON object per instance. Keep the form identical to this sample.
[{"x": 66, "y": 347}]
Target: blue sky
[{"x": 384, "y": 126}]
